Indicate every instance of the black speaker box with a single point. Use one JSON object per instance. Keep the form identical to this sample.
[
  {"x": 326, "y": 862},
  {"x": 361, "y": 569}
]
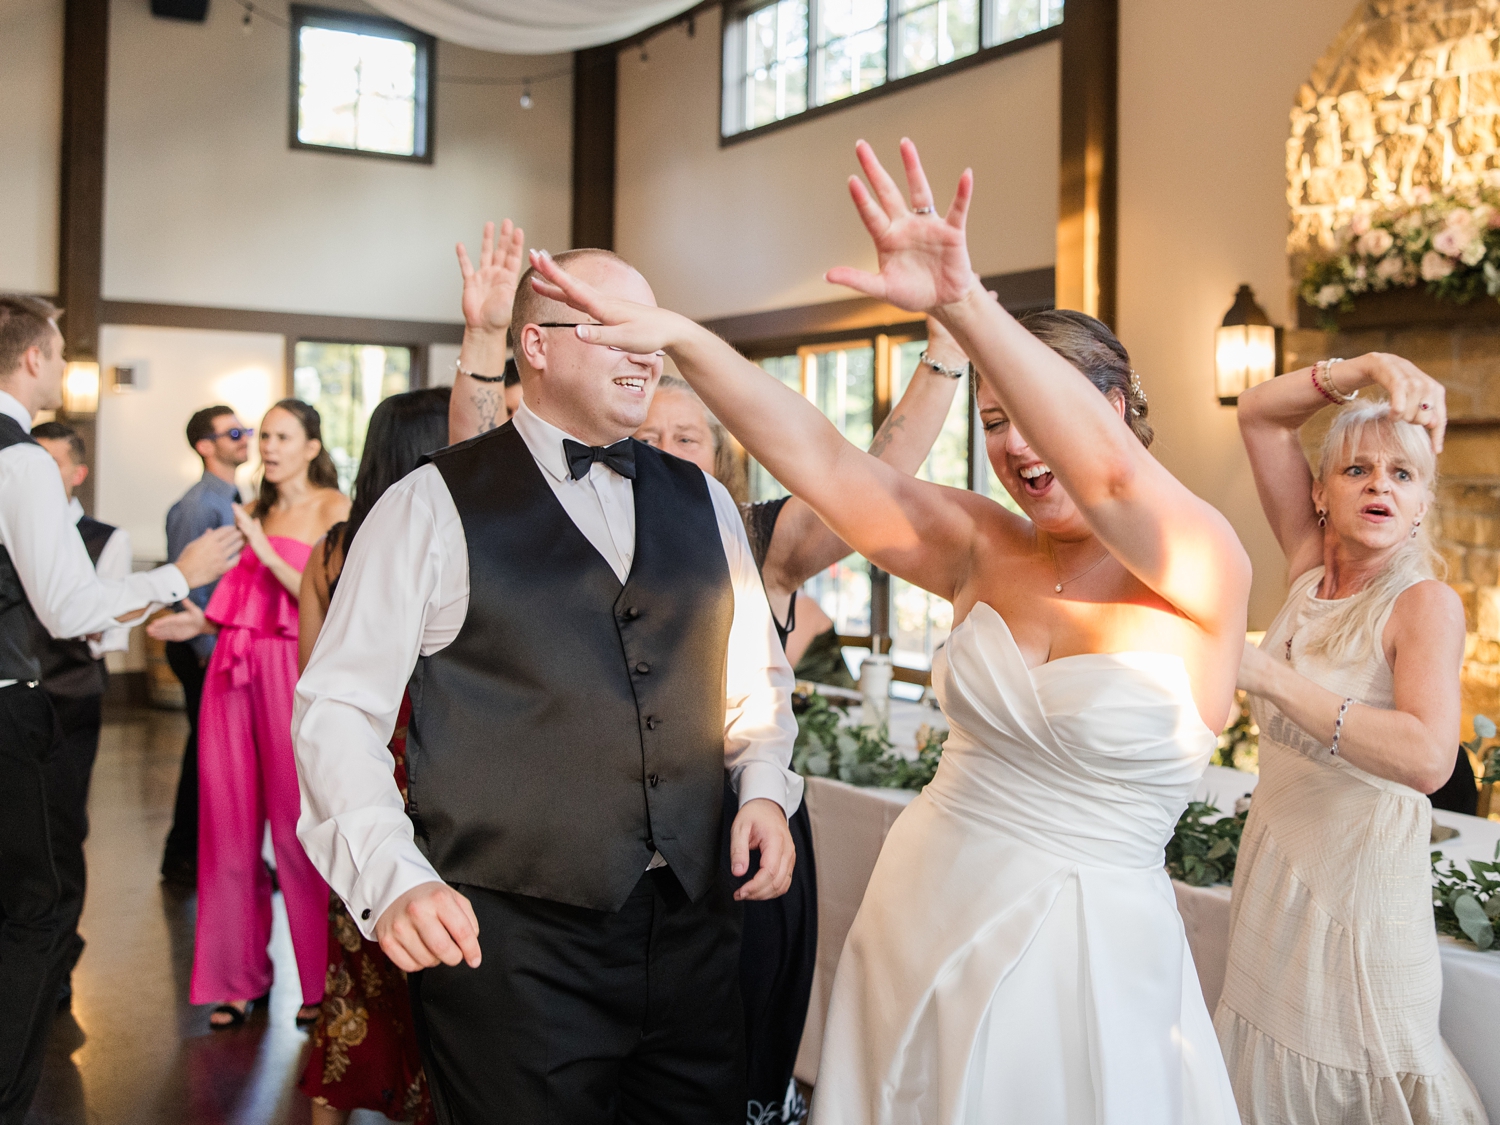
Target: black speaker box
[{"x": 194, "y": 10}]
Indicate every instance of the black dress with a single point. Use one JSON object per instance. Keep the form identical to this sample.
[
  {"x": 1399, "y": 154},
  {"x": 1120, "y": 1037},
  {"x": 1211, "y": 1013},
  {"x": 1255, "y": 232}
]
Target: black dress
[{"x": 780, "y": 935}]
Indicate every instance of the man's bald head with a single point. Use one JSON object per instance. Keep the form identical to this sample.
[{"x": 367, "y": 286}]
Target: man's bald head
[{"x": 530, "y": 307}]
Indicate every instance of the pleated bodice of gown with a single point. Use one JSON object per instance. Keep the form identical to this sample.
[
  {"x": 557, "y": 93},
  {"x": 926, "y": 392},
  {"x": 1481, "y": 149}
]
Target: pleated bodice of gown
[
  {"x": 1333, "y": 983},
  {"x": 1018, "y": 956}
]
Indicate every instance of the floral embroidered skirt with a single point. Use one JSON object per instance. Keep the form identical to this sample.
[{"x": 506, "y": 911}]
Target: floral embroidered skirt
[{"x": 364, "y": 1045}]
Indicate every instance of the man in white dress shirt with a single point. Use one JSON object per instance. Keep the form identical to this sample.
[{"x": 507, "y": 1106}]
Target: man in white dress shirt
[
  {"x": 45, "y": 570},
  {"x": 74, "y": 679},
  {"x": 589, "y": 648}
]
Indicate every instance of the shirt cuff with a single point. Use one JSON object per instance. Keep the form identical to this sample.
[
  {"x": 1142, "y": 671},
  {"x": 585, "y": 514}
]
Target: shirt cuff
[
  {"x": 395, "y": 868},
  {"x": 166, "y": 584},
  {"x": 768, "y": 780}
]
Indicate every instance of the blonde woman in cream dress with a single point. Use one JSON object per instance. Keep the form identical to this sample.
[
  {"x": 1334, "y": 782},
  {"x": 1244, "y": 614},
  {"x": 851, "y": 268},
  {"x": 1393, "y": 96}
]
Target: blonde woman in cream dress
[
  {"x": 1329, "y": 1012},
  {"x": 1018, "y": 959}
]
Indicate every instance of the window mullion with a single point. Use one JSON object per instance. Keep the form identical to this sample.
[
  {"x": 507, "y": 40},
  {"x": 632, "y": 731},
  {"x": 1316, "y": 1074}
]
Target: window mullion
[
  {"x": 891, "y": 69},
  {"x": 814, "y": 55}
]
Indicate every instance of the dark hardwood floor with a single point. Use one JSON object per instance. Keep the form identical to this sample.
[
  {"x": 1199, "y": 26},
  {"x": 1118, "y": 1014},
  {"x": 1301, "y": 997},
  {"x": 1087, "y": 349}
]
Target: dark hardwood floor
[{"x": 133, "y": 1051}]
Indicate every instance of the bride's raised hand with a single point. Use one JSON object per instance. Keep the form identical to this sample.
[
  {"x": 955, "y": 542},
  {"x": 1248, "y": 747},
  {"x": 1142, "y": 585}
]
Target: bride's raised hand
[
  {"x": 625, "y": 326},
  {"x": 924, "y": 258}
]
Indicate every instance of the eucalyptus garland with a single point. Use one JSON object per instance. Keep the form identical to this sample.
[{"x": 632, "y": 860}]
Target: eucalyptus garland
[
  {"x": 1466, "y": 904},
  {"x": 1203, "y": 849},
  {"x": 827, "y": 747}
]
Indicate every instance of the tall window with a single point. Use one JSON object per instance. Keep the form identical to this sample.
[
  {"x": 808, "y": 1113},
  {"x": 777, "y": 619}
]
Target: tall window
[
  {"x": 346, "y": 382},
  {"x": 361, "y": 84},
  {"x": 784, "y": 57}
]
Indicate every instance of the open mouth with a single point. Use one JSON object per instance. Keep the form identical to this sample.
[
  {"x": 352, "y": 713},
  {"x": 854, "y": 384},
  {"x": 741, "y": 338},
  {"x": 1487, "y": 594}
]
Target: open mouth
[
  {"x": 1036, "y": 479},
  {"x": 635, "y": 383},
  {"x": 1377, "y": 512}
]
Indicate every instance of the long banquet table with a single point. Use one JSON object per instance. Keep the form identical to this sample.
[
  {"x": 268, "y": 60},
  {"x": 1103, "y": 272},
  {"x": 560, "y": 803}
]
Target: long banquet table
[{"x": 849, "y": 825}]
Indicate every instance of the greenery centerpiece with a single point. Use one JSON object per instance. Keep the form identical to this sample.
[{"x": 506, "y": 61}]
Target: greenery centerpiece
[{"x": 828, "y": 746}]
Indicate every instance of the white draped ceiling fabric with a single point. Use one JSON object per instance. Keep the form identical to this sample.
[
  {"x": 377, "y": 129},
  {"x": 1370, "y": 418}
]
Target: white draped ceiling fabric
[{"x": 532, "y": 27}]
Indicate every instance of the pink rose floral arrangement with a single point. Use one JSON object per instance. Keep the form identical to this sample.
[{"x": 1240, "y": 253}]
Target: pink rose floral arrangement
[{"x": 1451, "y": 242}]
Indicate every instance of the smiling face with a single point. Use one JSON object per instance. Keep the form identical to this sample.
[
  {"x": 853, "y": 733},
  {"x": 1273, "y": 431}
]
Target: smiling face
[
  {"x": 285, "y": 449},
  {"x": 1025, "y": 475},
  {"x": 676, "y": 424},
  {"x": 597, "y": 394},
  {"x": 1373, "y": 492}
]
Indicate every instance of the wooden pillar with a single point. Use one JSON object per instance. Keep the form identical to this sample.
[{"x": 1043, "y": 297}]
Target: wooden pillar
[
  {"x": 81, "y": 205},
  {"x": 1087, "y": 223},
  {"x": 594, "y": 114}
]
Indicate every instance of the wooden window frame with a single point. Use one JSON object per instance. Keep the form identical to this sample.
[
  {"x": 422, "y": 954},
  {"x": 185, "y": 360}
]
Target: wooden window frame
[
  {"x": 424, "y": 137},
  {"x": 735, "y": 11}
]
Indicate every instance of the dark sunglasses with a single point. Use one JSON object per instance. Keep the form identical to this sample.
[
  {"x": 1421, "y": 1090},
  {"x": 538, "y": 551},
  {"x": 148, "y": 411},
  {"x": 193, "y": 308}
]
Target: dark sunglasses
[{"x": 236, "y": 432}]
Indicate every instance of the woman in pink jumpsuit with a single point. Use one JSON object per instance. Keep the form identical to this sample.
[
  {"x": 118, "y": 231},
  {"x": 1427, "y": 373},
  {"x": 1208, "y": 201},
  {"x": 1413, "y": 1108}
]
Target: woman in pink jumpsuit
[{"x": 246, "y": 768}]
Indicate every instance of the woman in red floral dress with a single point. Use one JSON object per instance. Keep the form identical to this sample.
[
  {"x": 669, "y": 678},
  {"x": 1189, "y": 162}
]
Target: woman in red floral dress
[{"x": 364, "y": 1045}]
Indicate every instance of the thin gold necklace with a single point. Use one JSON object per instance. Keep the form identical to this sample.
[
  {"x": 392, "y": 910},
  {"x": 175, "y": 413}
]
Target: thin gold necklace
[{"x": 1061, "y": 581}]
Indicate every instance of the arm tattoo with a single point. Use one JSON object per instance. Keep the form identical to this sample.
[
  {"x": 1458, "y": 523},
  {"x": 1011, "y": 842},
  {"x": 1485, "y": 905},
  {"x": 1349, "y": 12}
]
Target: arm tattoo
[
  {"x": 487, "y": 404},
  {"x": 887, "y": 434}
]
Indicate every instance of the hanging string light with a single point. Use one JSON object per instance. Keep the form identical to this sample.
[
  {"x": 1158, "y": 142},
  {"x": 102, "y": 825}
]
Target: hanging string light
[
  {"x": 526, "y": 102},
  {"x": 245, "y": 25}
]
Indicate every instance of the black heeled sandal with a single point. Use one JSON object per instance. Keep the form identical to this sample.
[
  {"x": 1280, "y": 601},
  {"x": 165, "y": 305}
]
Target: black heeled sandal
[
  {"x": 305, "y": 1022},
  {"x": 237, "y": 1016}
]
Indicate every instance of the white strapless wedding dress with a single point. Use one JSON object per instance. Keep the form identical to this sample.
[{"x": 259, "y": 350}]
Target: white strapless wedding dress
[{"x": 1018, "y": 958}]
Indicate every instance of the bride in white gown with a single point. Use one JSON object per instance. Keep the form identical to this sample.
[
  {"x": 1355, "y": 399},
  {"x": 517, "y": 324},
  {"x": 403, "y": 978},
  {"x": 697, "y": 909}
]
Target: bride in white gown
[{"x": 1018, "y": 957}]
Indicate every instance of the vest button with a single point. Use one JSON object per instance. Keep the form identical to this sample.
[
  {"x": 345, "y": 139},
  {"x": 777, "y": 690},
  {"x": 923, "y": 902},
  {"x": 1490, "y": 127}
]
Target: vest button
[
  {"x": 652, "y": 722},
  {"x": 631, "y": 613},
  {"x": 653, "y": 779},
  {"x": 643, "y": 667}
]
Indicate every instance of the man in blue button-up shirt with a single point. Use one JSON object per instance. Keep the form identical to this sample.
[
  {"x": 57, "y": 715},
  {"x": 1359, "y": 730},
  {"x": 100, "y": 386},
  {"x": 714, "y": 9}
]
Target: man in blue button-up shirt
[{"x": 223, "y": 442}]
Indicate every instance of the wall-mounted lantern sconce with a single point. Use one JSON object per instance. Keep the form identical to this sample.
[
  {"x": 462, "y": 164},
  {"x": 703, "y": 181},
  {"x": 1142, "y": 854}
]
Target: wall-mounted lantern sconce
[
  {"x": 81, "y": 387},
  {"x": 1247, "y": 348}
]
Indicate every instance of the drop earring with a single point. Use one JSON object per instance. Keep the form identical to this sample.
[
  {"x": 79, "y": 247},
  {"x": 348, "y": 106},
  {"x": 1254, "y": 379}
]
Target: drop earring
[
  {"x": 1415, "y": 524},
  {"x": 1322, "y": 518}
]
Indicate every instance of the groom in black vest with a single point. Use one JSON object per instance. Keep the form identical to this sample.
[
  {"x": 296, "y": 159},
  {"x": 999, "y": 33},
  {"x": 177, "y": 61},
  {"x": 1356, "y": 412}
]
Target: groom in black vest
[{"x": 587, "y": 648}]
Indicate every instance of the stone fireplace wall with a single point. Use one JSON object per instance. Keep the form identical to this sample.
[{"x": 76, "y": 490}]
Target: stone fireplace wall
[{"x": 1465, "y": 521}]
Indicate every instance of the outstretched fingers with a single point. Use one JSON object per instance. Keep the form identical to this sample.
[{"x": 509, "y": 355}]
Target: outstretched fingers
[
  {"x": 870, "y": 213},
  {"x": 862, "y": 281},
  {"x": 880, "y": 181},
  {"x": 958, "y": 210},
  {"x": 556, "y": 283},
  {"x": 465, "y": 267},
  {"x": 916, "y": 179}
]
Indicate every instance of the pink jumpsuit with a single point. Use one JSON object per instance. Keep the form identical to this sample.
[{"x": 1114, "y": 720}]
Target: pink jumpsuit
[{"x": 247, "y": 775}]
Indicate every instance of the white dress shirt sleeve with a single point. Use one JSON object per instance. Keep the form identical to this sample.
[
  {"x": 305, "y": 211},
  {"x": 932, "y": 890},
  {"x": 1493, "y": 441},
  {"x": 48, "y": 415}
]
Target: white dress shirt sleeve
[
  {"x": 69, "y": 598},
  {"x": 759, "y": 727},
  {"x": 113, "y": 566},
  {"x": 403, "y": 593}
]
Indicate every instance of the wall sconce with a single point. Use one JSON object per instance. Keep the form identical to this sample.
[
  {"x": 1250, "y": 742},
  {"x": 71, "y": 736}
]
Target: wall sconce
[
  {"x": 1247, "y": 348},
  {"x": 81, "y": 387}
]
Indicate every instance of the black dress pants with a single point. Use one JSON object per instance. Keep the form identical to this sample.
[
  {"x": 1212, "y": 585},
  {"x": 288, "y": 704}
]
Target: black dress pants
[
  {"x": 68, "y": 775},
  {"x": 181, "y": 852},
  {"x": 582, "y": 1017},
  {"x": 34, "y": 925}
]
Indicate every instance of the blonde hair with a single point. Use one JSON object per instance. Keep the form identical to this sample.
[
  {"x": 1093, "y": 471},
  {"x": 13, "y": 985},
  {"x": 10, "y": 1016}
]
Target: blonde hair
[
  {"x": 729, "y": 464},
  {"x": 1349, "y": 631}
]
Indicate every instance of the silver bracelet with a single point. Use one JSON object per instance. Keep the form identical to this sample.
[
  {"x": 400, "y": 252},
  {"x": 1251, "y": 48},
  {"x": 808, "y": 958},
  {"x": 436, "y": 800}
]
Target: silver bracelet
[
  {"x": 1338, "y": 725},
  {"x": 943, "y": 369}
]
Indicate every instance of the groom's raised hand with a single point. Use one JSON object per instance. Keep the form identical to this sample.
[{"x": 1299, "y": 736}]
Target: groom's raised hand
[
  {"x": 429, "y": 924},
  {"x": 760, "y": 826}
]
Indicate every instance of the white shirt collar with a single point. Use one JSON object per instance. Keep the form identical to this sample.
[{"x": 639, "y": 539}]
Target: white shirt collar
[
  {"x": 75, "y": 509},
  {"x": 11, "y": 406},
  {"x": 545, "y": 441}
]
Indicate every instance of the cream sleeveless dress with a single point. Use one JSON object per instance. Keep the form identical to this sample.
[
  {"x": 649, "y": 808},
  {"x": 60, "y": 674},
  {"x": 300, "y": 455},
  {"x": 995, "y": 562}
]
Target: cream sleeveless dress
[
  {"x": 1018, "y": 958},
  {"x": 1329, "y": 1012}
]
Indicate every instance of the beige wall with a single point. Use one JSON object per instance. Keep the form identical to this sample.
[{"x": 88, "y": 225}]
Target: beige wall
[
  {"x": 1205, "y": 92},
  {"x": 207, "y": 205},
  {"x": 30, "y": 126},
  {"x": 143, "y": 462},
  {"x": 752, "y": 226}
]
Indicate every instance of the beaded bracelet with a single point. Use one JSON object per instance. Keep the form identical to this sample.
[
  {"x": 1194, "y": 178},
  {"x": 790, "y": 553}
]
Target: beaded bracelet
[
  {"x": 1324, "y": 385},
  {"x": 943, "y": 368},
  {"x": 1338, "y": 725}
]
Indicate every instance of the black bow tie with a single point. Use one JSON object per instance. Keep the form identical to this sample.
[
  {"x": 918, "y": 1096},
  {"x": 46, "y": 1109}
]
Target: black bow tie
[{"x": 620, "y": 457}]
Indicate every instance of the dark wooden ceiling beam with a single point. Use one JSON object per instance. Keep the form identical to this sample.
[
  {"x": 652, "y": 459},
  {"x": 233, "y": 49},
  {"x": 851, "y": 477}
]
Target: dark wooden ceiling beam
[
  {"x": 1087, "y": 220},
  {"x": 81, "y": 234}
]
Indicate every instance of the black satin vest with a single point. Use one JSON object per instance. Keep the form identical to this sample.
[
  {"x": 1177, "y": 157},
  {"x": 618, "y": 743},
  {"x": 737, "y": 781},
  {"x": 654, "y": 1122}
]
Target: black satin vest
[
  {"x": 17, "y": 657},
  {"x": 68, "y": 667},
  {"x": 574, "y": 725}
]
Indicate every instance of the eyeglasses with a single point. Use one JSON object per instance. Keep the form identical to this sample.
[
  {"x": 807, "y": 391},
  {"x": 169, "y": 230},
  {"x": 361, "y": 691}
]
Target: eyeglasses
[
  {"x": 576, "y": 323},
  {"x": 234, "y": 433}
]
